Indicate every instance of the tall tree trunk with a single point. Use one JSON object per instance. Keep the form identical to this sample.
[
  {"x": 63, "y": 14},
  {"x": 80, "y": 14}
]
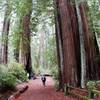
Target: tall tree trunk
[
  {"x": 5, "y": 33},
  {"x": 59, "y": 46},
  {"x": 82, "y": 47},
  {"x": 25, "y": 49},
  {"x": 76, "y": 43},
  {"x": 90, "y": 52},
  {"x": 75, "y": 30},
  {"x": 70, "y": 64}
]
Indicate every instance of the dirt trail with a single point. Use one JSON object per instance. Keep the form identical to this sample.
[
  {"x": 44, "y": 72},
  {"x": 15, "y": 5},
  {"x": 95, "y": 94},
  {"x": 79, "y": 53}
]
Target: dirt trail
[{"x": 36, "y": 91}]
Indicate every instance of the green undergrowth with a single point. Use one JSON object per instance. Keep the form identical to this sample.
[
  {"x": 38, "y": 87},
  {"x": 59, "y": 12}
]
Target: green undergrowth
[
  {"x": 11, "y": 75},
  {"x": 54, "y": 73}
]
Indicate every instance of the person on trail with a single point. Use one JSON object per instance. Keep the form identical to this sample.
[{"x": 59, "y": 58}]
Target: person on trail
[{"x": 43, "y": 78}]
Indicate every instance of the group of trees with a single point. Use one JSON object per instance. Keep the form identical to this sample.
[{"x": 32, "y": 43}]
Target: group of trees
[
  {"x": 22, "y": 10},
  {"x": 75, "y": 42},
  {"x": 25, "y": 24},
  {"x": 76, "y": 32}
]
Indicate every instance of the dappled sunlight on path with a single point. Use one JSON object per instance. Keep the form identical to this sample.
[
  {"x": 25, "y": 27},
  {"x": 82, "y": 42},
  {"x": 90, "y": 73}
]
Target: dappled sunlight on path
[{"x": 37, "y": 91}]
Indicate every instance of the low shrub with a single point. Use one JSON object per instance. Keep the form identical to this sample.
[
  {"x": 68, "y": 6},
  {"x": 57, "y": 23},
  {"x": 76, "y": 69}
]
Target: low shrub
[
  {"x": 93, "y": 84},
  {"x": 11, "y": 75},
  {"x": 7, "y": 80},
  {"x": 18, "y": 71}
]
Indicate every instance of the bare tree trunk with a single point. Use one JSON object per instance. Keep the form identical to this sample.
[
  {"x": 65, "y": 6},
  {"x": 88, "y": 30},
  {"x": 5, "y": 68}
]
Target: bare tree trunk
[
  {"x": 59, "y": 46},
  {"x": 70, "y": 64},
  {"x": 82, "y": 48},
  {"x": 25, "y": 43},
  {"x": 90, "y": 52},
  {"x": 25, "y": 49},
  {"x": 72, "y": 33},
  {"x": 75, "y": 30},
  {"x": 5, "y": 33}
]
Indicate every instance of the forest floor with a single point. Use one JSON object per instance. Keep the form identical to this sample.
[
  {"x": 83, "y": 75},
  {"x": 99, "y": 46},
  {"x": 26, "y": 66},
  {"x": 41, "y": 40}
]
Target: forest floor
[{"x": 37, "y": 91}]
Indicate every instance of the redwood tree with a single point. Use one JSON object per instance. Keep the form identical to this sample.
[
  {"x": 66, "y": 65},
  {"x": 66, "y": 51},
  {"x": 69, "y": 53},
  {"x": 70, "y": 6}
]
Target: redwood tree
[
  {"x": 66, "y": 33},
  {"x": 59, "y": 46},
  {"x": 76, "y": 50},
  {"x": 25, "y": 49}
]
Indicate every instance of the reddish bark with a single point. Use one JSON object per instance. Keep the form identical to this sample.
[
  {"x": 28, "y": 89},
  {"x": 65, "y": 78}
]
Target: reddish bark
[
  {"x": 25, "y": 53},
  {"x": 75, "y": 30},
  {"x": 67, "y": 30},
  {"x": 69, "y": 70},
  {"x": 59, "y": 46},
  {"x": 25, "y": 49}
]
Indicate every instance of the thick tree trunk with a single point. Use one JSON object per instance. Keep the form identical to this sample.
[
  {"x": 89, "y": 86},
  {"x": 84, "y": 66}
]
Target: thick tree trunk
[
  {"x": 5, "y": 33},
  {"x": 75, "y": 30},
  {"x": 74, "y": 43},
  {"x": 25, "y": 49},
  {"x": 70, "y": 64}
]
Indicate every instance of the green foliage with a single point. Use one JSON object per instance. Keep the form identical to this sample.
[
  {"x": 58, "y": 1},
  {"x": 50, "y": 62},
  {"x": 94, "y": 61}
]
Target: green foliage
[
  {"x": 18, "y": 71},
  {"x": 34, "y": 23},
  {"x": 51, "y": 57},
  {"x": 22, "y": 7},
  {"x": 11, "y": 75},
  {"x": 98, "y": 84},
  {"x": 42, "y": 11},
  {"x": 94, "y": 16},
  {"x": 91, "y": 85},
  {"x": 7, "y": 80},
  {"x": 94, "y": 21},
  {"x": 54, "y": 72},
  {"x": 51, "y": 54}
]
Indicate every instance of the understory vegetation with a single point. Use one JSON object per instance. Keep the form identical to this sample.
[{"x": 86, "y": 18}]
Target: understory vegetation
[{"x": 11, "y": 75}]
